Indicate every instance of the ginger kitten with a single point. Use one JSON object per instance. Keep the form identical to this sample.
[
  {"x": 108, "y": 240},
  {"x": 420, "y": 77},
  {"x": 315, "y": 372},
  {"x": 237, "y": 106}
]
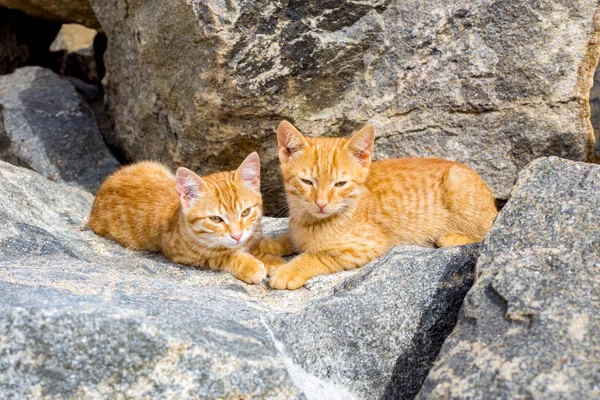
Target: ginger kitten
[
  {"x": 346, "y": 210},
  {"x": 211, "y": 222}
]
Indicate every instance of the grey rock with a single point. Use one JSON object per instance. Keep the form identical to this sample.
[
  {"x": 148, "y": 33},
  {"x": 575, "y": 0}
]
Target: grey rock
[
  {"x": 402, "y": 305},
  {"x": 491, "y": 84},
  {"x": 77, "y": 11},
  {"x": 45, "y": 125},
  {"x": 530, "y": 327},
  {"x": 83, "y": 317}
]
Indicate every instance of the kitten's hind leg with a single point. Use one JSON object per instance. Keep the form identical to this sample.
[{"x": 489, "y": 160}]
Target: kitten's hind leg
[
  {"x": 469, "y": 202},
  {"x": 455, "y": 239}
]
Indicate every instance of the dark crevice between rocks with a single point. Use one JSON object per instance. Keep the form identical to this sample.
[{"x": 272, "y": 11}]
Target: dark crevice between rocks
[
  {"x": 412, "y": 367},
  {"x": 24, "y": 40},
  {"x": 85, "y": 70},
  {"x": 93, "y": 93},
  {"x": 27, "y": 41},
  {"x": 500, "y": 203},
  {"x": 78, "y": 52},
  {"x": 595, "y": 112},
  {"x": 106, "y": 128},
  {"x": 94, "y": 97}
]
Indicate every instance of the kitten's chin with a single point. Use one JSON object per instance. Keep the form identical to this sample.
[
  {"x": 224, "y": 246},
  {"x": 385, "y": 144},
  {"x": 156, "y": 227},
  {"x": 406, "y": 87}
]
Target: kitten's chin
[
  {"x": 220, "y": 243},
  {"x": 321, "y": 215},
  {"x": 234, "y": 246}
]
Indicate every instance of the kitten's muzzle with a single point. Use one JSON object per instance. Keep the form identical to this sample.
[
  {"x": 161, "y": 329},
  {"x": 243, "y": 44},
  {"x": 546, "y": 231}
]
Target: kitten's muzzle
[{"x": 321, "y": 204}]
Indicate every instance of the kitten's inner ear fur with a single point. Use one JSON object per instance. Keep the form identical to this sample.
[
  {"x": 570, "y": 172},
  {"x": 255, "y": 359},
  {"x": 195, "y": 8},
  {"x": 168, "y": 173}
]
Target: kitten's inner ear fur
[
  {"x": 290, "y": 141},
  {"x": 189, "y": 186},
  {"x": 361, "y": 145},
  {"x": 249, "y": 171}
]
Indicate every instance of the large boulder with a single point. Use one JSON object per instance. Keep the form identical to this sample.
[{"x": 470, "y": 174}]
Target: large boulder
[
  {"x": 83, "y": 317},
  {"x": 530, "y": 327},
  {"x": 494, "y": 84},
  {"x": 76, "y": 11},
  {"x": 47, "y": 126}
]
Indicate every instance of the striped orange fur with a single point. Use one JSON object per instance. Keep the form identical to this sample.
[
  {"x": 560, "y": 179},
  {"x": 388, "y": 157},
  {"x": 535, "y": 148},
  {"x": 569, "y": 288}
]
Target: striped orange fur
[
  {"x": 346, "y": 210},
  {"x": 211, "y": 222}
]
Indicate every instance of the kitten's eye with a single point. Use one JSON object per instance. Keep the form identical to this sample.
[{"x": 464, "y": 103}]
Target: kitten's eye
[
  {"x": 246, "y": 212},
  {"x": 306, "y": 182},
  {"x": 340, "y": 183},
  {"x": 216, "y": 219}
]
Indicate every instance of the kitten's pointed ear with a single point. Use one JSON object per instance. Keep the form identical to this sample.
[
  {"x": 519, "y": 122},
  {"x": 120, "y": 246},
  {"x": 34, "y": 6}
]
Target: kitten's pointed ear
[
  {"x": 290, "y": 141},
  {"x": 361, "y": 145},
  {"x": 249, "y": 171},
  {"x": 189, "y": 186}
]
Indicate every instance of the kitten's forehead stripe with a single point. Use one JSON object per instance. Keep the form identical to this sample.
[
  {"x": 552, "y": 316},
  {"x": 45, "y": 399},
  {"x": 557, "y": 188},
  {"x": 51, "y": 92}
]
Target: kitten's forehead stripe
[{"x": 231, "y": 198}]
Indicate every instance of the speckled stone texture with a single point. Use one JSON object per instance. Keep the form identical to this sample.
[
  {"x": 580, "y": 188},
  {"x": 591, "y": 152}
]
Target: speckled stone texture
[
  {"x": 530, "y": 327},
  {"x": 493, "y": 84},
  {"x": 45, "y": 125},
  {"x": 76, "y": 11},
  {"x": 81, "y": 317}
]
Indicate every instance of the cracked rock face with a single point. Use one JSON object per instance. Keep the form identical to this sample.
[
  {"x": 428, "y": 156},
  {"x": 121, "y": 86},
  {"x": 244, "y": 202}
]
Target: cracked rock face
[
  {"x": 82, "y": 317},
  {"x": 491, "y": 84},
  {"x": 530, "y": 326},
  {"x": 45, "y": 125}
]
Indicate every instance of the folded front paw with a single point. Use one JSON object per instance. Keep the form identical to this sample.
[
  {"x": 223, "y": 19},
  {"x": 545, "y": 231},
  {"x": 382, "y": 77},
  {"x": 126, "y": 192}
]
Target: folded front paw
[
  {"x": 251, "y": 270},
  {"x": 287, "y": 277},
  {"x": 272, "y": 263}
]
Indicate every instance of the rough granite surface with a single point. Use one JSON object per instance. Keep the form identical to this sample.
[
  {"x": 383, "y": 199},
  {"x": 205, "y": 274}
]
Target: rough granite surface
[
  {"x": 530, "y": 326},
  {"x": 45, "y": 125},
  {"x": 81, "y": 317},
  {"x": 493, "y": 84}
]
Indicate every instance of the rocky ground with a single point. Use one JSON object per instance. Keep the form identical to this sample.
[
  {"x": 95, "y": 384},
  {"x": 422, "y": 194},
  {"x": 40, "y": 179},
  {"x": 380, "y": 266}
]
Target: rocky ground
[
  {"x": 493, "y": 84},
  {"x": 81, "y": 316}
]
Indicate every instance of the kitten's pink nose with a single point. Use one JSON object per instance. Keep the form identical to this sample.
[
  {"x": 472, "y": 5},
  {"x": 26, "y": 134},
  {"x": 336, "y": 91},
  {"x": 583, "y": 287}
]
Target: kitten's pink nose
[
  {"x": 236, "y": 236},
  {"x": 321, "y": 204}
]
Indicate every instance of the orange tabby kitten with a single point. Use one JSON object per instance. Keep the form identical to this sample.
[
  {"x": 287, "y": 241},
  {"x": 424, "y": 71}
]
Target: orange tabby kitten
[
  {"x": 345, "y": 211},
  {"x": 209, "y": 222}
]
